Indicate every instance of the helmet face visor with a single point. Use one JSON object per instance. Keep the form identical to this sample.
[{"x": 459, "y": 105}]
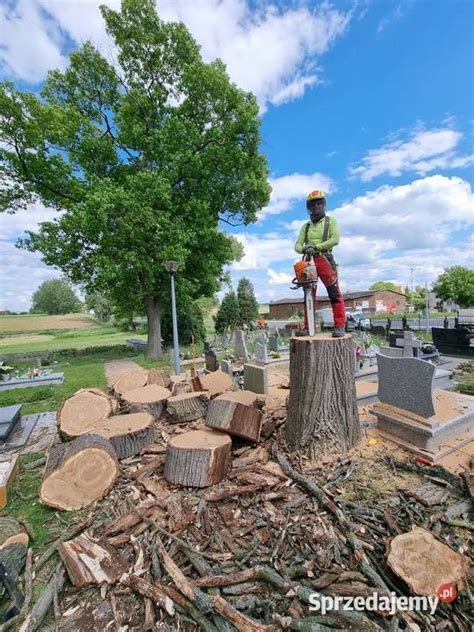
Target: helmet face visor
[{"x": 317, "y": 205}]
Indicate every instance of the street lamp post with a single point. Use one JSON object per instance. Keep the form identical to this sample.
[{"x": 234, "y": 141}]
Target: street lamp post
[
  {"x": 412, "y": 303},
  {"x": 172, "y": 267}
]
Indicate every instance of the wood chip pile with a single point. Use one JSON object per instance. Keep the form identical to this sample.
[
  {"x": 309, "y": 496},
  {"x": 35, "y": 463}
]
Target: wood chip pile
[{"x": 248, "y": 553}]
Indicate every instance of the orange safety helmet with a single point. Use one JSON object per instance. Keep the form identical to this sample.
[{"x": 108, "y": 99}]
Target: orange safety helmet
[{"x": 314, "y": 200}]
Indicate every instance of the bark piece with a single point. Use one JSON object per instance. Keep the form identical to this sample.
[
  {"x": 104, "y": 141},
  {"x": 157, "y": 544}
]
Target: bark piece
[
  {"x": 81, "y": 412},
  {"x": 79, "y": 472},
  {"x": 128, "y": 434},
  {"x": 130, "y": 380},
  {"x": 180, "y": 512},
  {"x": 188, "y": 406},
  {"x": 11, "y": 532},
  {"x": 424, "y": 562},
  {"x": 90, "y": 561},
  {"x": 155, "y": 376},
  {"x": 150, "y": 399},
  {"x": 322, "y": 409},
  {"x": 197, "y": 459},
  {"x": 232, "y": 413},
  {"x": 215, "y": 383}
]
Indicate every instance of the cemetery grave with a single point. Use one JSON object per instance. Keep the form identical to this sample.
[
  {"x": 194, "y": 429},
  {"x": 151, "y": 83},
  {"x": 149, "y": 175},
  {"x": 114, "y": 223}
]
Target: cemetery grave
[{"x": 204, "y": 504}]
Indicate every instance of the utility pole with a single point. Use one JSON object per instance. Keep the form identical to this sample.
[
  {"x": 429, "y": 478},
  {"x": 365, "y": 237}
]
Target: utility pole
[
  {"x": 427, "y": 308},
  {"x": 172, "y": 267},
  {"x": 412, "y": 305}
]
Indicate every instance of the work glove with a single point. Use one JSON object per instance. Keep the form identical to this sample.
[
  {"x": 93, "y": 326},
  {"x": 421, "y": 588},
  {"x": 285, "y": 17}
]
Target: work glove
[{"x": 310, "y": 251}]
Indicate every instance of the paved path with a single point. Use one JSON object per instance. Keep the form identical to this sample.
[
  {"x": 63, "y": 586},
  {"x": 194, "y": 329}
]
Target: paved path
[{"x": 114, "y": 368}]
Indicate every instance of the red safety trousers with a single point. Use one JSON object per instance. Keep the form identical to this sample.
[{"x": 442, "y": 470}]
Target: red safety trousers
[{"x": 328, "y": 275}]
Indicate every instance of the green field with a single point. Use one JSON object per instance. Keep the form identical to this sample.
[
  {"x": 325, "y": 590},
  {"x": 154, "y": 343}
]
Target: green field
[{"x": 32, "y": 332}]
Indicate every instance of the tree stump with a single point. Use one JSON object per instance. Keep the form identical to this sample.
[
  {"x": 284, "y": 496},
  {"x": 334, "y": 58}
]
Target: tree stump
[
  {"x": 78, "y": 473},
  {"x": 188, "y": 406},
  {"x": 322, "y": 408},
  {"x": 128, "y": 434},
  {"x": 215, "y": 383},
  {"x": 11, "y": 532},
  {"x": 236, "y": 413},
  {"x": 146, "y": 399},
  {"x": 155, "y": 376},
  {"x": 129, "y": 380},
  {"x": 197, "y": 459},
  {"x": 82, "y": 411}
]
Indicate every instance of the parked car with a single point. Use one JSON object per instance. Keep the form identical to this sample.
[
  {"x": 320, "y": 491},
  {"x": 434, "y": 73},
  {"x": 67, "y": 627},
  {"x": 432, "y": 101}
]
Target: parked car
[{"x": 355, "y": 318}]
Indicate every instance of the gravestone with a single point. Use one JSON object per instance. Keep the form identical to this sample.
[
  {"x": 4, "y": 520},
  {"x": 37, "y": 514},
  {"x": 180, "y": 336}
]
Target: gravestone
[
  {"x": 406, "y": 383},
  {"x": 260, "y": 351},
  {"x": 256, "y": 378},
  {"x": 241, "y": 352},
  {"x": 457, "y": 342},
  {"x": 226, "y": 367},
  {"x": 411, "y": 347},
  {"x": 210, "y": 359},
  {"x": 392, "y": 352},
  {"x": 273, "y": 341},
  {"x": 9, "y": 417}
]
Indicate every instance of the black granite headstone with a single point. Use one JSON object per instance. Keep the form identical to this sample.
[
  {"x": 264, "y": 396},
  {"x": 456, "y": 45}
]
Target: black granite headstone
[{"x": 9, "y": 417}]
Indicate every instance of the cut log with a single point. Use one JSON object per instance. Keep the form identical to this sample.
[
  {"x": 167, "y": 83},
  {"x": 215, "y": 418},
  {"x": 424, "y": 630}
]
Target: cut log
[
  {"x": 11, "y": 532},
  {"x": 197, "y": 459},
  {"x": 155, "y": 376},
  {"x": 232, "y": 413},
  {"x": 81, "y": 412},
  {"x": 215, "y": 383},
  {"x": 129, "y": 380},
  {"x": 424, "y": 562},
  {"x": 322, "y": 408},
  {"x": 188, "y": 406},
  {"x": 90, "y": 561},
  {"x": 128, "y": 434},
  {"x": 79, "y": 472},
  {"x": 148, "y": 399}
]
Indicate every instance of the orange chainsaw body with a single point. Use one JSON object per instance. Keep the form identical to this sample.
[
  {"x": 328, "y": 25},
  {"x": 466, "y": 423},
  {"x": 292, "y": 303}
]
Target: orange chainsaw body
[{"x": 305, "y": 271}]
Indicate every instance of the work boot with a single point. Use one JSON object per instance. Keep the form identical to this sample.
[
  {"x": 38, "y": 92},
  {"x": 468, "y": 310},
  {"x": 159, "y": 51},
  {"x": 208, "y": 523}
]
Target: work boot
[{"x": 338, "y": 332}]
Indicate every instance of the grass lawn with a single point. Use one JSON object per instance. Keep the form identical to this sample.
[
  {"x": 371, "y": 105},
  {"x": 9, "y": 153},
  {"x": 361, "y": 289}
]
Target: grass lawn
[{"x": 79, "y": 373}]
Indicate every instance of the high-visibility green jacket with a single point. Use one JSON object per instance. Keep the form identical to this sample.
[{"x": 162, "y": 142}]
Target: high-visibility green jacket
[{"x": 315, "y": 235}]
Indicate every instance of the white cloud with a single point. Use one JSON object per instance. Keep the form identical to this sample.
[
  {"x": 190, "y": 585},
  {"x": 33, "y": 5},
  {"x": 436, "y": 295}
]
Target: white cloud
[
  {"x": 260, "y": 252},
  {"x": 22, "y": 273},
  {"x": 268, "y": 50},
  {"x": 416, "y": 216},
  {"x": 292, "y": 189},
  {"x": 279, "y": 278},
  {"x": 14, "y": 225},
  {"x": 390, "y": 18},
  {"x": 425, "y": 151}
]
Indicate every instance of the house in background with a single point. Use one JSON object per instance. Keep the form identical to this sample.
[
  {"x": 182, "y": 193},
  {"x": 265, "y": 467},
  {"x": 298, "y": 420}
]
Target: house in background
[{"x": 368, "y": 301}]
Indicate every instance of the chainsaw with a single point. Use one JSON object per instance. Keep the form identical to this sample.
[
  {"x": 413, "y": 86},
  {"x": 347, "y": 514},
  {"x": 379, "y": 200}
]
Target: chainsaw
[{"x": 306, "y": 277}]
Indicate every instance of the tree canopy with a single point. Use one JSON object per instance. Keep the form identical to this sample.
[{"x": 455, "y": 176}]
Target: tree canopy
[
  {"x": 227, "y": 317},
  {"x": 248, "y": 305},
  {"x": 143, "y": 159},
  {"x": 386, "y": 285},
  {"x": 456, "y": 283},
  {"x": 55, "y": 297}
]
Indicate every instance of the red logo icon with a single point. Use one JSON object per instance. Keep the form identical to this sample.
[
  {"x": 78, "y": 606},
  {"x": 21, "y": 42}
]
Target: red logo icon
[{"x": 447, "y": 593}]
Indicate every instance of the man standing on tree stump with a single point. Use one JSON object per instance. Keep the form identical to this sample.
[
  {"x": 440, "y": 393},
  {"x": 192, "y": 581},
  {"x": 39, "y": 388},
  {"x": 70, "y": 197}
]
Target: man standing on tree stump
[{"x": 317, "y": 239}]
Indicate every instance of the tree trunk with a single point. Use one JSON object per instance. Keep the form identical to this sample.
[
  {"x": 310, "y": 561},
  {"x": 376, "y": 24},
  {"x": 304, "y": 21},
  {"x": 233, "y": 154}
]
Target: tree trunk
[
  {"x": 79, "y": 472},
  {"x": 153, "y": 314},
  {"x": 197, "y": 459},
  {"x": 322, "y": 409}
]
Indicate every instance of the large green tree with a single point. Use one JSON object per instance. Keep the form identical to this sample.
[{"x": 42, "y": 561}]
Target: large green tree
[
  {"x": 227, "y": 317},
  {"x": 457, "y": 284},
  {"x": 143, "y": 159},
  {"x": 55, "y": 297},
  {"x": 248, "y": 305}
]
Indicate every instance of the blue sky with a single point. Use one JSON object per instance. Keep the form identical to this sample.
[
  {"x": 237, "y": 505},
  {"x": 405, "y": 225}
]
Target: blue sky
[{"x": 370, "y": 99}]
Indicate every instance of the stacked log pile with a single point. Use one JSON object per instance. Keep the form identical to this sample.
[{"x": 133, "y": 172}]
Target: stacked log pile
[{"x": 254, "y": 551}]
